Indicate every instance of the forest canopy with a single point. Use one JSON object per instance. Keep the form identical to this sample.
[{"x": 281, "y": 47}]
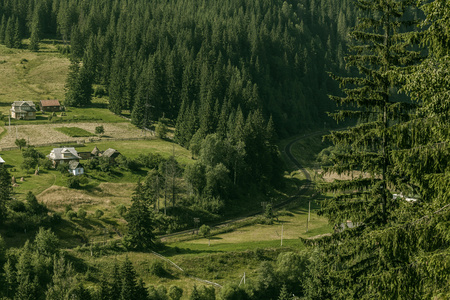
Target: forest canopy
[{"x": 195, "y": 58}]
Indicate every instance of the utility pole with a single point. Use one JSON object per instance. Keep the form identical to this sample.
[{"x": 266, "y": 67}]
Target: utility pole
[
  {"x": 309, "y": 211},
  {"x": 281, "y": 235}
]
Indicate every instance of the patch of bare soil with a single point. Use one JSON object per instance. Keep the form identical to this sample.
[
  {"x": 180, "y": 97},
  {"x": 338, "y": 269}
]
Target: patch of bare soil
[{"x": 330, "y": 177}]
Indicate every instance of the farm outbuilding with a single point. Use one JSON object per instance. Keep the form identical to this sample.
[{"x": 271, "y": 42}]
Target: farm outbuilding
[
  {"x": 50, "y": 105},
  {"x": 75, "y": 168},
  {"x": 110, "y": 153},
  {"x": 23, "y": 110}
]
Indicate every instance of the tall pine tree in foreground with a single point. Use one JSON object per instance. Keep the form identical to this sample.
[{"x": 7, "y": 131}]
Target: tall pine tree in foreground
[{"x": 352, "y": 264}]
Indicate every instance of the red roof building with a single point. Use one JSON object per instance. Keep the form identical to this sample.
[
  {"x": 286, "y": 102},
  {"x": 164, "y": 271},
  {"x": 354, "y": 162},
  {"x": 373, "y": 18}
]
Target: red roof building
[{"x": 50, "y": 105}]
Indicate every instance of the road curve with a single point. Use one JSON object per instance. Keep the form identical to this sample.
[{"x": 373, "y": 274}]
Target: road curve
[{"x": 301, "y": 191}]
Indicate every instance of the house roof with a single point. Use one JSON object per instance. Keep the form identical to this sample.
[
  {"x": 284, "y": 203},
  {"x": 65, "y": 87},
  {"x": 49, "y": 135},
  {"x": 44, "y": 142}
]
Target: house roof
[
  {"x": 110, "y": 152},
  {"x": 50, "y": 103},
  {"x": 95, "y": 151},
  {"x": 69, "y": 153},
  {"x": 73, "y": 165},
  {"x": 1, "y": 160},
  {"x": 23, "y": 106}
]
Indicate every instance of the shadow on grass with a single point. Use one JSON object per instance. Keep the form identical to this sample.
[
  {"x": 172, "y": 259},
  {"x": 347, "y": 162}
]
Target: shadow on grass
[{"x": 173, "y": 251}]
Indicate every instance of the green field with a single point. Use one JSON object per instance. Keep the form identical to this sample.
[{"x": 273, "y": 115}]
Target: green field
[{"x": 74, "y": 131}]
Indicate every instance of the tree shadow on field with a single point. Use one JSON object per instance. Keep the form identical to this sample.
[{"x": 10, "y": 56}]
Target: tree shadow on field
[
  {"x": 98, "y": 105},
  {"x": 173, "y": 251}
]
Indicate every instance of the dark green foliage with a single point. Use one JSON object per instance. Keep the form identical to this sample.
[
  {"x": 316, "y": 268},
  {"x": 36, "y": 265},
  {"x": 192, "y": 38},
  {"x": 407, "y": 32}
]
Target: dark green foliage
[
  {"x": 46, "y": 242},
  {"x": 394, "y": 146},
  {"x": 99, "y": 129},
  {"x": 20, "y": 143},
  {"x": 175, "y": 292},
  {"x": 33, "y": 206},
  {"x": 5, "y": 191},
  {"x": 75, "y": 182},
  {"x": 81, "y": 214},
  {"x": 78, "y": 85},
  {"x": 31, "y": 157},
  {"x": 140, "y": 222}
]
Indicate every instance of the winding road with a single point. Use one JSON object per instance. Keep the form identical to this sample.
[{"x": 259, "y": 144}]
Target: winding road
[{"x": 302, "y": 190}]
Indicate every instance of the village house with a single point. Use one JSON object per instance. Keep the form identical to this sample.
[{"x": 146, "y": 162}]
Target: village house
[
  {"x": 50, "y": 105},
  {"x": 75, "y": 168},
  {"x": 23, "y": 110},
  {"x": 66, "y": 155}
]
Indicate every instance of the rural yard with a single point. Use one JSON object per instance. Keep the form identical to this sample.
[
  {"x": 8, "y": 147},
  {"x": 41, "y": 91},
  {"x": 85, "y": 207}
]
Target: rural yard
[{"x": 46, "y": 134}]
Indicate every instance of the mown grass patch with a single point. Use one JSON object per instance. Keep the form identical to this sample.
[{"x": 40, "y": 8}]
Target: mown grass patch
[{"x": 74, "y": 131}]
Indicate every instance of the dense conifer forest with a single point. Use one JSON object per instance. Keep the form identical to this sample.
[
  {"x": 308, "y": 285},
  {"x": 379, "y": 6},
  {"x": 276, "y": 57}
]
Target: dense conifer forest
[
  {"x": 233, "y": 76},
  {"x": 193, "y": 61}
]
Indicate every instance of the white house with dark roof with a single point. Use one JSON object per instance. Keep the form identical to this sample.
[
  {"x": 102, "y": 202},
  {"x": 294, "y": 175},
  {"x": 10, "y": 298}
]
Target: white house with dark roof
[
  {"x": 66, "y": 155},
  {"x": 75, "y": 168},
  {"x": 23, "y": 110}
]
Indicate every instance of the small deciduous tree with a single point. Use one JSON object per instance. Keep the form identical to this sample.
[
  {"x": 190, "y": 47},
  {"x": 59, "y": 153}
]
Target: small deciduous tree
[
  {"x": 99, "y": 129},
  {"x": 20, "y": 143},
  {"x": 205, "y": 231}
]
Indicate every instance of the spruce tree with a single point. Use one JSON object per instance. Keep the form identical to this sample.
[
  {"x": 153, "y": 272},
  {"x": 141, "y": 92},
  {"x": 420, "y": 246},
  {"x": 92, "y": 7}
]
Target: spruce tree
[
  {"x": 140, "y": 221},
  {"x": 35, "y": 33},
  {"x": 78, "y": 85},
  {"x": 9, "y": 33},
  {"x": 2, "y": 29},
  {"x": 129, "y": 289},
  {"x": 5, "y": 191},
  {"x": 381, "y": 49},
  {"x": 357, "y": 262}
]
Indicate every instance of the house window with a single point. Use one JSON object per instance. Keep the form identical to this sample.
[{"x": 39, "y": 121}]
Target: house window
[{"x": 30, "y": 114}]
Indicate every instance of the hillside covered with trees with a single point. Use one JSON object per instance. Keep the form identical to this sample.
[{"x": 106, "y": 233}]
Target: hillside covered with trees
[
  {"x": 235, "y": 75},
  {"x": 195, "y": 60}
]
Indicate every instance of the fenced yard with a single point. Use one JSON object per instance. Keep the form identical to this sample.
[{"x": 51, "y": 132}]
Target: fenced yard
[{"x": 46, "y": 135}]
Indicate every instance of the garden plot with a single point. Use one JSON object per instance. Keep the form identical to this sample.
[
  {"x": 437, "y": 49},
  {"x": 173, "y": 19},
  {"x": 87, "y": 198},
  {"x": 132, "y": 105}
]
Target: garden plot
[{"x": 46, "y": 134}]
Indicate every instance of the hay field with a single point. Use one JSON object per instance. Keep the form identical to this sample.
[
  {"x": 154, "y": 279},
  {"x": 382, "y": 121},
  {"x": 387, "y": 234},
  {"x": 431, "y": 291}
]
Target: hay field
[
  {"x": 44, "y": 134},
  {"x": 105, "y": 196},
  {"x": 26, "y": 75}
]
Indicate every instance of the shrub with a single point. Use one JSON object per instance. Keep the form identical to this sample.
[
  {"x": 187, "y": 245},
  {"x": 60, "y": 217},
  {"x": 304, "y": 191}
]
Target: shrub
[
  {"x": 98, "y": 213},
  {"x": 99, "y": 129},
  {"x": 75, "y": 182},
  {"x": 157, "y": 269},
  {"x": 161, "y": 130},
  {"x": 71, "y": 214},
  {"x": 81, "y": 213},
  {"x": 121, "y": 210},
  {"x": 17, "y": 206},
  {"x": 175, "y": 292}
]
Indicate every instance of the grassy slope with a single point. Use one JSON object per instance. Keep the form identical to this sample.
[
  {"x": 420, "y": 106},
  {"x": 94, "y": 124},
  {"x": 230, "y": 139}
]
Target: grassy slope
[{"x": 31, "y": 76}]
